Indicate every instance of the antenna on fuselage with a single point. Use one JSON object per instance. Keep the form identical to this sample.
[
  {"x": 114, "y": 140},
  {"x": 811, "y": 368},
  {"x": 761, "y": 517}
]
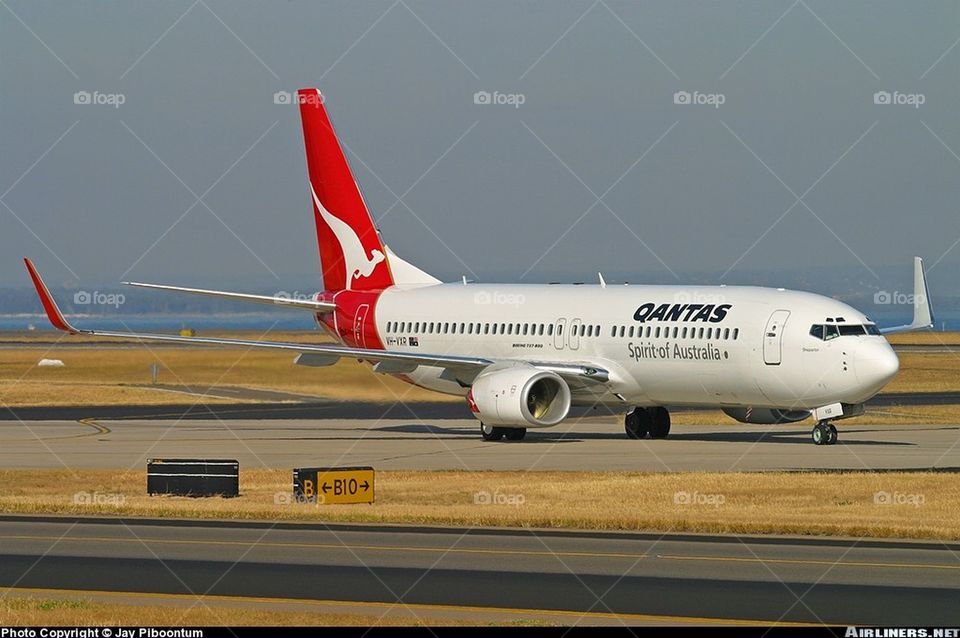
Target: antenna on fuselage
[{"x": 603, "y": 284}]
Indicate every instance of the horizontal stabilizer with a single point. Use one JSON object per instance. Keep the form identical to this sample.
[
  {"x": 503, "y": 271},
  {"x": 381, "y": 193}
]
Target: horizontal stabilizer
[{"x": 282, "y": 299}]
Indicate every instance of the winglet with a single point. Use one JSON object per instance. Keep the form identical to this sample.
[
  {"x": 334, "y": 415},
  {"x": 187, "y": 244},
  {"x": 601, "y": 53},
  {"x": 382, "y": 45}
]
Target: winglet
[
  {"x": 922, "y": 309},
  {"x": 49, "y": 305}
]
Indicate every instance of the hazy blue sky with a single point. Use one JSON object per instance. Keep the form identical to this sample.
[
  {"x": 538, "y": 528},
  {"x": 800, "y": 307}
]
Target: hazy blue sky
[{"x": 491, "y": 191}]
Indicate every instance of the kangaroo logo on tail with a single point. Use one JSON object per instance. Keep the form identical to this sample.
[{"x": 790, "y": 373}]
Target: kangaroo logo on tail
[{"x": 354, "y": 254}]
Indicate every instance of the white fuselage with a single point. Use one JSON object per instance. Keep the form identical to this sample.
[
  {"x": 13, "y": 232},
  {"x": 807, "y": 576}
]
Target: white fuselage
[{"x": 710, "y": 346}]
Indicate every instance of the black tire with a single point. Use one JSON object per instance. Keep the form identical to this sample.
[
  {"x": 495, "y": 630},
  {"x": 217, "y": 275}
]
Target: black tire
[
  {"x": 515, "y": 434},
  {"x": 659, "y": 423},
  {"x": 832, "y": 430},
  {"x": 636, "y": 423},
  {"x": 490, "y": 433}
]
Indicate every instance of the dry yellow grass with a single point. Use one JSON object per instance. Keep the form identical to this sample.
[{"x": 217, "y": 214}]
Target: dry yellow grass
[
  {"x": 925, "y": 338},
  {"x": 74, "y": 611},
  {"x": 815, "y": 503},
  {"x": 110, "y": 376}
]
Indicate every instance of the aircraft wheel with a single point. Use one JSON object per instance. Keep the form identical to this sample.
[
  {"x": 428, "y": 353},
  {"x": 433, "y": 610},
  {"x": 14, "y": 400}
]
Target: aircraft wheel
[
  {"x": 660, "y": 423},
  {"x": 833, "y": 434},
  {"x": 515, "y": 434},
  {"x": 821, "y": 433},
  {"x": 490, "y": 433},
  {"x": 637, "y": 423}
]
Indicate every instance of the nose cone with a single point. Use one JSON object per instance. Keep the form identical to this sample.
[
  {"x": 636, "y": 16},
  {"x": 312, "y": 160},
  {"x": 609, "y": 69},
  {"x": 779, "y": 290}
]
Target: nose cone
[{"x": 876, "y": 364}]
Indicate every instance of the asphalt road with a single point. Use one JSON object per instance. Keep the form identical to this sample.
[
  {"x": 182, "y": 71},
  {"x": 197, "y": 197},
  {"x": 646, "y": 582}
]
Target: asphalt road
[
  {"x": 282, "y": 405},
  {"x": 426, "y": 444},
  {"x": 834, "y": 581}
]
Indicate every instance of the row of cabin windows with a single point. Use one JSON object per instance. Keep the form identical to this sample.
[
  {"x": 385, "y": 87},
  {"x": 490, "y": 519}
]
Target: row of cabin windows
[
  {"x": 674, "y": 332},
  {"x": 540, "y": 329},
  {"x": 475, "y": 328}
]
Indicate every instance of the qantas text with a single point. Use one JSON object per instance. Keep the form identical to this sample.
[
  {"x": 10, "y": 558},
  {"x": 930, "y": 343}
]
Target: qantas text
[{"x": 682, "y": 312}]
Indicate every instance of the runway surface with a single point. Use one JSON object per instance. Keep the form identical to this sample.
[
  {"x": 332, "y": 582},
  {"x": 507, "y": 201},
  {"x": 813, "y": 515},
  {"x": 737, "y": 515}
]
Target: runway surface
[
  {"x": 579, "y": 444},
  {"x": 769, "y": 579}
]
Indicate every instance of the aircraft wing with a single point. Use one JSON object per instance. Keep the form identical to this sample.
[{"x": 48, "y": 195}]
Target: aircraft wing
[
  {"x": 460, "y": 368},
  {"x": 922, "y": 310}
]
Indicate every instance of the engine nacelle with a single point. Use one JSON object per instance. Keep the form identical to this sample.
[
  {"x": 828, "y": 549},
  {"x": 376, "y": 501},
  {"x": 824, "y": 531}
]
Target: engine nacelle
[
  {"x": 766, "y": 415},
  {"x": 520, "y": 396}
]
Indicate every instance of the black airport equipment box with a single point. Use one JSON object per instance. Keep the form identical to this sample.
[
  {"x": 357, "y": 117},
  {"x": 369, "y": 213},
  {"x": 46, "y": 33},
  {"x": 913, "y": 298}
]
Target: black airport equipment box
[{"x": 193, "y": 477}]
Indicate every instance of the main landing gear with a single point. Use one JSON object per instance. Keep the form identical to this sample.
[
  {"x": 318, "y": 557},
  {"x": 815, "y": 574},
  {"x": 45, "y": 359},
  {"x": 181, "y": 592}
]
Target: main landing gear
[
  {"x": 640, "y": 422},
  {"x": 493, "y": 433},
  {"x": 824, "y": 433}
]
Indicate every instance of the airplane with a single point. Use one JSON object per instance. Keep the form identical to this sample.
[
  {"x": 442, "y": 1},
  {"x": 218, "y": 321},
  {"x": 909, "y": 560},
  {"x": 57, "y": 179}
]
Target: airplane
[{"x": 524, "y": 355}]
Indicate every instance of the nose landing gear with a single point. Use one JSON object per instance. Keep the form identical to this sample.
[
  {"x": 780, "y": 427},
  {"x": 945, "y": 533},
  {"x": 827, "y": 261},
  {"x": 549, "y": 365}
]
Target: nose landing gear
[{"x": 824, "y": 433}]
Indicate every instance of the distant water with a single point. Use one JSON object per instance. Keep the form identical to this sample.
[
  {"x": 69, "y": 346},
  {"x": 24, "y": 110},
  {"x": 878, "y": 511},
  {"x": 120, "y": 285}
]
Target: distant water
[{"x": 948, "y": 320}]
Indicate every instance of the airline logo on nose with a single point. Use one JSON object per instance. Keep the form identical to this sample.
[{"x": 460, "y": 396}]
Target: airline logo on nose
[{"x": 354, "y": 254}]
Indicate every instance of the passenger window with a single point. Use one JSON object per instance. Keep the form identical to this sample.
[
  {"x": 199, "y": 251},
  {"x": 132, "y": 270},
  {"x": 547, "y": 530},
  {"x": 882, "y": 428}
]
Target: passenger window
[
  {"x": 486, "y": 327},
  {"x": 709, "y": 333},
  {"x": 726, "y": 333},
  {"x": 676, "y": 331},
  {"x": 613, "y": 331},
  {"x": 657, "y": 333},
  {"x": 736, "y": 333},
  {"x": 631, "y": 332},
  {"x": 550, "y": 329}
]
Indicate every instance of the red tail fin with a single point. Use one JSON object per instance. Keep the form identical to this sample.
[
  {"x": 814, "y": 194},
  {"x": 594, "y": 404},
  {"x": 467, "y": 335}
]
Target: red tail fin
[{"x": 351, "y": 255}]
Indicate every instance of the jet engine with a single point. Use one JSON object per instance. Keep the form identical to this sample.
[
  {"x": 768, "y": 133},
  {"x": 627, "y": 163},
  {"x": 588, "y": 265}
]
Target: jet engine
[
  {"x": 766, "y": 415},
  {"x": 520, "y": 396}
]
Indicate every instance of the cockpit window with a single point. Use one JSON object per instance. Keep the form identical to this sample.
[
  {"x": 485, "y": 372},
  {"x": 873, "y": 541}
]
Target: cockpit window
[
  {"x": 852, "y": 330},
  {"x": 826, "y": 332}
]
